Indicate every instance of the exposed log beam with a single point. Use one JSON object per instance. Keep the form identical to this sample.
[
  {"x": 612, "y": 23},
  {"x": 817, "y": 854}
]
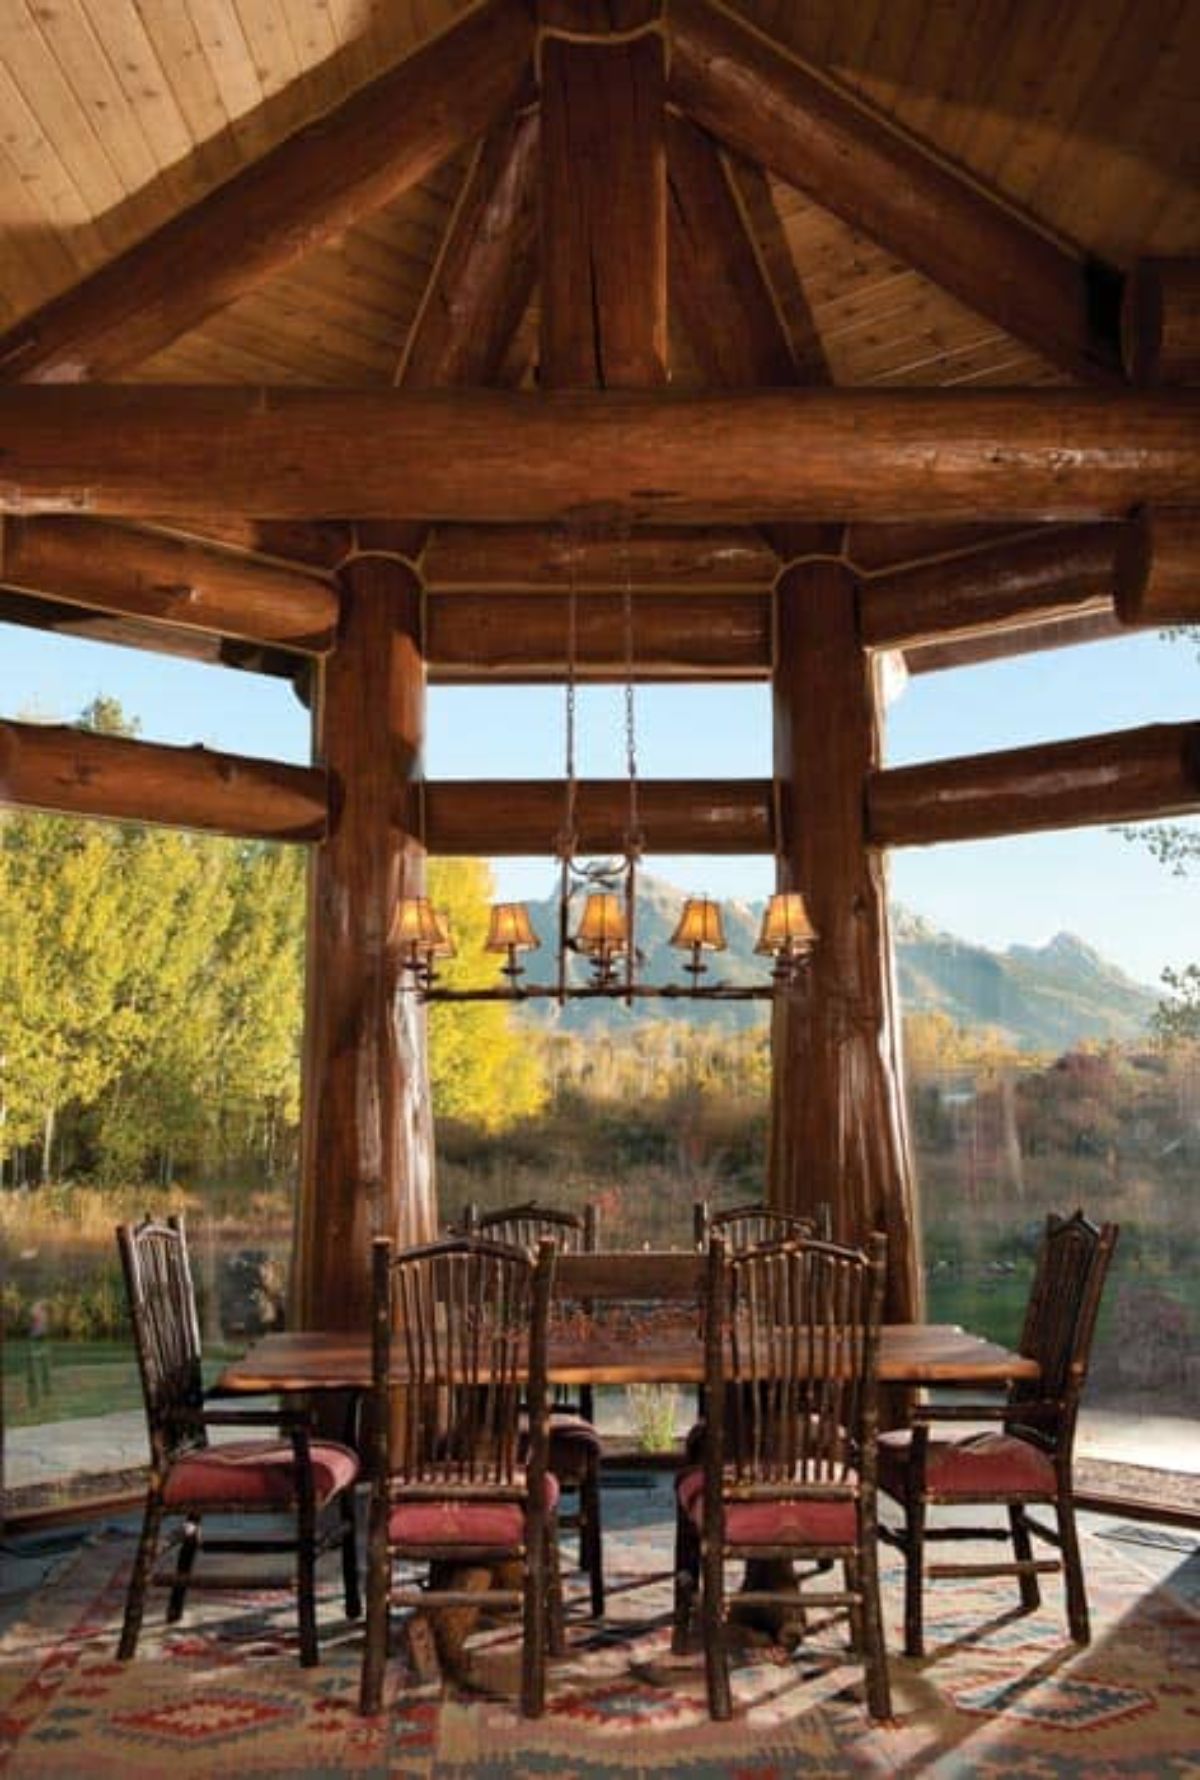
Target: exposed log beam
[
  {"x": 1044, "y": 575},
  {"x": 496, "y": 455},
  {"x": 314, "y": 544},
  {"x": 479, "y": 637},
  {"x": 511, "y": 556},
  {"x": 775, "y": 109},
  {"x": 1160, "y": 570},
  {"x": 32, "y": 612},
  {"x": 1123, "y": 777},
  {"x": 873, "y": 548},
  {"x": 146, "y": 576},
  {"x": 52, "y": 767},
  {"x": 379, "y": 142},
  {"x": 603, "y": 213},
  {"x": 1160, "y": 322},
  {"x": 523, "y": 816},
  {"x": 971, "y": 648}
]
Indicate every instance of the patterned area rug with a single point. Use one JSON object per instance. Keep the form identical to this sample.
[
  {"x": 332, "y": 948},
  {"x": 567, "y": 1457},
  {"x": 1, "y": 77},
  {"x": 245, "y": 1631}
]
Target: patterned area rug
[{"x": 999, "y": 1694}]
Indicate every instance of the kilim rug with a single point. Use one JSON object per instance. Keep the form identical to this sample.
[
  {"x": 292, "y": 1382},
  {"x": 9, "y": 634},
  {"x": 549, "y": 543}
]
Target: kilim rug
[{"x": 222, "y": 1693}]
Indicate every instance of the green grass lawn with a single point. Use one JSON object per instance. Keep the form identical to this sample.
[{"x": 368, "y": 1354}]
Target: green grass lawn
[{"x": 58, "y": 1381}]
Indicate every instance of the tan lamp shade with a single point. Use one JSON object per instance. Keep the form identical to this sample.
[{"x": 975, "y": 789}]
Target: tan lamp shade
[
  {"x": 786, "y": 927},
  {"x": 700, "y": 926},
  {"x": 602, "y": 929},
  {"x": 420, "y": 930},
  {"x": 510, "y": 929},
  {"x": 442, "y": 943}
]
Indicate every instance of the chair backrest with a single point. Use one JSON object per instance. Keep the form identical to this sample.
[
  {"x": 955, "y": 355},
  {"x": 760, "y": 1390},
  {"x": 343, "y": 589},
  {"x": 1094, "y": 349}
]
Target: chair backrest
[
  {"x": 166, "y": 1333},
  {"x": 1060, "y": 1322},
  {"x": 745, "y": 1226},
  {"x": 466, "y": 1319},
  {"x": 791, "y": 1361},
  {"x": 573, "y": 1232}
]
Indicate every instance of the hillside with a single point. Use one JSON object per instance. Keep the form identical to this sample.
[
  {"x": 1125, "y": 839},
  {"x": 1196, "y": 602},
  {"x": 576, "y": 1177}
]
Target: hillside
[{"x": 1038, "y": 997}]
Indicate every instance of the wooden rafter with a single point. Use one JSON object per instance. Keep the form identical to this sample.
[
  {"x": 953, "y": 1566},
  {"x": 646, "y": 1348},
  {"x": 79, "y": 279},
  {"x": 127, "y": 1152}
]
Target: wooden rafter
[
  {"x": 776, "y": 110},
  {"x": 595, "y": 557},
  {"x": 379, "y": 142}
]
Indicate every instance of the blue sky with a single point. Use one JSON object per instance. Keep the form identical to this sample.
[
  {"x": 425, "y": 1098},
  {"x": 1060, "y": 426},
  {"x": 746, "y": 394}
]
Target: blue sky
[{"x": 1096, "y": 884}]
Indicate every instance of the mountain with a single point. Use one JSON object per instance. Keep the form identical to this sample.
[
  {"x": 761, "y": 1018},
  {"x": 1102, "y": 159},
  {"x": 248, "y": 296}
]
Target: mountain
[{"x": 1041, "y": 998}]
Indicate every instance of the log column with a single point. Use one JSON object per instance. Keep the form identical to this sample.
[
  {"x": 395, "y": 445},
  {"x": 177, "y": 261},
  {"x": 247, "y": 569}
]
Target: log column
[
  {"x": 838, "y": 1128},
  {"x": 367, "y": 1147}
]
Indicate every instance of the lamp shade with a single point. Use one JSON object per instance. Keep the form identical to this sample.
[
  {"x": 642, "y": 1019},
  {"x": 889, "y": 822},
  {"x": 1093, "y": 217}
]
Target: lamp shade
[
  {"x": 510, "y": 929},
  {"x": 420, "y": 929},
  {"x": 602, "y": 929},
  {"x": 700, "y": 926},
  {"x": 786, "y": 927},
  {"x": 442, "y": 943}
]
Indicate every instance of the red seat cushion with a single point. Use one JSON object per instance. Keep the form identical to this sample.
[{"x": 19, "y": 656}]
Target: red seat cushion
[
  {"x": 453, "y": 1522},
  {"x": 257, "y": 1474},
  {"x": 795, "y": 1520},
  {"x": 994, "y": 1463}
]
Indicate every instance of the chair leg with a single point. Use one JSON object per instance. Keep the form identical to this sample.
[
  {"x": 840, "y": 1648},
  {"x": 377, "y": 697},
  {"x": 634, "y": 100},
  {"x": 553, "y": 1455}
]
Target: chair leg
[
  {"x": 143, "y": 1564},
  {"x": 306, "y": 1600},
  {"x": 687, "y": 1573},
  {"x": 914, "y": 1560},
  {"x": 591, "y": 1545},
  {"x": 350, "y": 1556},
  {"x": 188, "y": 1548},
  {"x": 853, "y": 1575},
  {"x": 533, "y": 1642},
  {"x": 716, "y": 1650},
  {"x": 1031, "y": 1594},
  {"x": 556, "y": 1616},
  {"x": 875, "y": 1662},
  {"x": 1077, "y": 1607},
  {"x": 375, "y": 1638}
]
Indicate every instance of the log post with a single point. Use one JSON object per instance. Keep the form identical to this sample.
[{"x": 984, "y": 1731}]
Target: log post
[
  {"x": 838, "y": 1125},
  {"x": 1160, "y": 322},
  {"x": 1159, "y": 569},
  {"x": 367, "y": 1148}
]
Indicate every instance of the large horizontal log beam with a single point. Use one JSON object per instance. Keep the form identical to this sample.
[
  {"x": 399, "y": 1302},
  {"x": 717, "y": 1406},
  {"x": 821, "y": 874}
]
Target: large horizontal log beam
[
  {"x": 511, "y": 556},
  {"x": 1131, "y": 775},
  {"x": 1057, "y": 573},
  {"x": 777, "y": 110},
  {"x": 147, "y": 576},
  {"x": 1160, "y": 564},
  {"x": 79, "y": 773},
  {"x": 658, "y": 457},
  {"x": 379, "y": 142},
  {"x": 322, "y": 544},
  {"x": 522, "y": 817},
  {"x": 970, "y": 648},
  {"x": 480, "y": 637}
]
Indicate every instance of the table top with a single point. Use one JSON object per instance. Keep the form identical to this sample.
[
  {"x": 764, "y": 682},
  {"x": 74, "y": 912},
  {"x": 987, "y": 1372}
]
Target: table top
[{"x": 669, "y": 1352}]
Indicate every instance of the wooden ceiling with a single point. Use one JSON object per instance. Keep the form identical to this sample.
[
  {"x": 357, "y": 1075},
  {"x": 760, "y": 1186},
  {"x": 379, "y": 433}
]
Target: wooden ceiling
[{"x": 119, "y": 114}]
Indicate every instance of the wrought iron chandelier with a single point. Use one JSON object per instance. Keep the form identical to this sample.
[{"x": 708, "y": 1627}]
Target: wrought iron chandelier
[{"x": 597, "y": 900}]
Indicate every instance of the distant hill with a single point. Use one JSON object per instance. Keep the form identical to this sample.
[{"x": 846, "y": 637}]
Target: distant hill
[{"x": 1039, "y": 997}]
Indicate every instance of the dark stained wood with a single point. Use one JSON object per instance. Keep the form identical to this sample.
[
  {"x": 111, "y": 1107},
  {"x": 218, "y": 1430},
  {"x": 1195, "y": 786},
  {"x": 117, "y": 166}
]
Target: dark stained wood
[
  {"x": 603, "y": 214},
  {"x": 838, "y": 1130},
  {"x": 1160, "y": 322},
  {"x": 495, "y": 455},
  {"x": 379, "y": 142},
  {"x": 1045, "y": 575},
  {"x": 872, "y": 547},
  {"x": 523, "y": 816},
  {"x": 909, "y": 1353},
  {"x": 512, "y": 556},
  {"x": 1127, "y": 776},
  {"x": 316, "y": 544},
  {"x": 52, "y": 767},
  {"x": 474, "y": 637},
  {"x": 144, "y": 575},
  {"x": 367, "y": 1152},
  {"x": 1159, "y": 560},
  {"x": 598, "y": 18},
  {"x": 775, "y": 109},
  {"x": 970, "y": 648}
]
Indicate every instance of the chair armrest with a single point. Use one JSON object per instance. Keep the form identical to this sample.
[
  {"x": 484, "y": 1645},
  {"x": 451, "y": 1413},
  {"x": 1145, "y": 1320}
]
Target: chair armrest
[{"x": 925, "y": 1413}]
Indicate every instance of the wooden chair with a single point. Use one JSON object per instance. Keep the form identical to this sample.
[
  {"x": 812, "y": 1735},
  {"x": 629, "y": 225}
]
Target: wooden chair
[
  {"x": 575, "y": 1446},
  {"x": 743, "y": 1226},
  {"x": 791, "y": 1351},
  {"x": 288, "y": 1473},
  {"x": 1028, "y": 1459},
  {"x": 454, "y": 1480}
]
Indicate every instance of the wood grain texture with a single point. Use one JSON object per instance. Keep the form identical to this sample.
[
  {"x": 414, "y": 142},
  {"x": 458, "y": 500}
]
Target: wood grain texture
[
  {"x": 776, "y": 110},
  {"x": 838, "y": 1133},
  {"x": 1128, "y": 776},
  {"x": 523, "y": 817},
  {"x": 80, "y": 773},
  {"x": 645, "y": 457},
  {"x": 144, "y": 575},
  {"x": 1160, "y": 322},
  {"x": 1159, "y": 570},
  {"x": 483, "y": 556},
  {"x": 377, "y": 143},
  {"x": 366, "y": 1135},
  {"x": 603, "y": 214}
]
